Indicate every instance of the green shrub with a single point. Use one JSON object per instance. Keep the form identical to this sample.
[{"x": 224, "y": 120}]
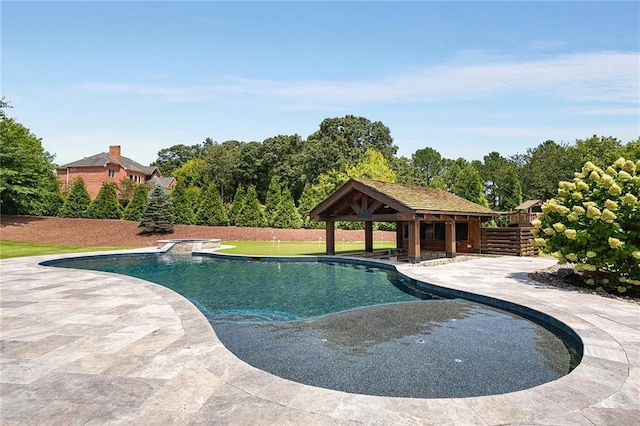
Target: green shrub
[{"x": 594, "y": 222}]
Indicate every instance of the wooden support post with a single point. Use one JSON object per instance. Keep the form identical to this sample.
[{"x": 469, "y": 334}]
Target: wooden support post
[
  {"x": 368, "y": 236},
  {"x": 477, "y": 235},
  {"x": 399, "y": 234},
  {"x": 331, "y": 238},
  {"x": 414, "y": 240},
  {"x": 450, "y": 238}
]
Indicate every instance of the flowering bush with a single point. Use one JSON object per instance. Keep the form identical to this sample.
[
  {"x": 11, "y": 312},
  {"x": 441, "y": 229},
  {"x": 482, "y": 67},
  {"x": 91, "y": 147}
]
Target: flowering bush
[{"x": 594, "y": 222}]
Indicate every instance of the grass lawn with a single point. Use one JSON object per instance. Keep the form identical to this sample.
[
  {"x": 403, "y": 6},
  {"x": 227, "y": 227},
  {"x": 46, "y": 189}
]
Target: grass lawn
[
  {"x": 296, "y": 248},
  {"x": 258, "y": 248},
  {"x": 19, "y": 249}
]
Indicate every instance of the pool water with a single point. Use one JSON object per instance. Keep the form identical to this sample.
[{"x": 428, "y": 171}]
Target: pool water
[
  {"x": 355, "y": 328},
  {"x": 236, "y": 290}
]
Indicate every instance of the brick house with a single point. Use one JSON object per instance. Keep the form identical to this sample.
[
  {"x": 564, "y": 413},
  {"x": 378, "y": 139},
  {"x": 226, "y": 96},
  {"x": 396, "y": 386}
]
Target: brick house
[{"x": 109, "y": 167}]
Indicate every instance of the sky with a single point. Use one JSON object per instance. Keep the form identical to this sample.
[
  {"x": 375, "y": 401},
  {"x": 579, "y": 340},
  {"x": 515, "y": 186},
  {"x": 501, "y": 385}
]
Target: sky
[{"x": 464, "y": 78}]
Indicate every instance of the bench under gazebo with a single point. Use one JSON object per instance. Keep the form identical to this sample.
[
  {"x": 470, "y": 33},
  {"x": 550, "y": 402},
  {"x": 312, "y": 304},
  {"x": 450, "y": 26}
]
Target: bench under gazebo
[{"x": 427, "y": 219}]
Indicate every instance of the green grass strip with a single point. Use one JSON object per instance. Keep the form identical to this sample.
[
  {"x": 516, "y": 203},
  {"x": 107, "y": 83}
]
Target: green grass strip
[
  {"x": 295, "y": 248},
  {"x": 10, "y": 249}
]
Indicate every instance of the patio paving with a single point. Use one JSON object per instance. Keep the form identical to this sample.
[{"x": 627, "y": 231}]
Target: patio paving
[{"x": 84, "y": 347}]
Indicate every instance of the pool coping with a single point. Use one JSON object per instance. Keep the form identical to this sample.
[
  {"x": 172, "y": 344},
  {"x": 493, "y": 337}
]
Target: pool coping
[{"x": 603, "y": 389}]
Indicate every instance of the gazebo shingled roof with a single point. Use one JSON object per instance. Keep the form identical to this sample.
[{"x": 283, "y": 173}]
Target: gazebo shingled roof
[
  {"x": 404, "y": 198},
  {"x": 371, "y": 201}
]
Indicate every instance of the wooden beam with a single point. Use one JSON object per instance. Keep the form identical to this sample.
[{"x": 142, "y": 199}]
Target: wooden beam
[
  {"x": 432, "y": 217},
  {"x": 368, "y": 237},
  {"x": 331, "y": 238},
  {"x": 356, "y": 208},
  {"x": 391, "y": 217},
  {"x": 375, "y": 206}
]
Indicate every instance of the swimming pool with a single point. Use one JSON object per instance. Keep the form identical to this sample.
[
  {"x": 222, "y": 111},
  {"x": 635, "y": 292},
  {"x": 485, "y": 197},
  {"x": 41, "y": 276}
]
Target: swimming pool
[{"x": 356, "y": 327}]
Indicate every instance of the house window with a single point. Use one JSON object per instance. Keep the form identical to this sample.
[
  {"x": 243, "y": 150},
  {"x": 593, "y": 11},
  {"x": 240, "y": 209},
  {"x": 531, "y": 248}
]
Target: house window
[
  {"x": 432, "y": 231},
  {"x": 462, "y": 231},
  {"x": 134, "y": 178},
  {"x": 112, "y": 173}
]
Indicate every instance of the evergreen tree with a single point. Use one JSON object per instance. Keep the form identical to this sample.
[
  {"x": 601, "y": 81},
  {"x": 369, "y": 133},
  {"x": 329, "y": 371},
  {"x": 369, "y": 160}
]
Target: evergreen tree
[
  {"x": 250, "y": 214},
  {"x": 511, "y": 191},
  {"x": 311, "y": 196},
  {"x": 158, "y": 214},
  {"x": 469, "y": 185},
  {"x": 137, "y": 204},
  {"x": 77, "y": 201},
  {"x": 193, "y": 197},
  {"x": 183, "y": 211},
  {"x": 286, "y": 215},
  {"x": 274, "y": 195},
  {"x": 236, "y": 206},
  {"x": 211, "y": 210},
  {"x": 106, "y": 204}
]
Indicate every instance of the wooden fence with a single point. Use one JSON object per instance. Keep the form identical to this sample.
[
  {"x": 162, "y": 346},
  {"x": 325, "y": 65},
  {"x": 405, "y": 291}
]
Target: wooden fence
[{"x": 510, "y": 241}]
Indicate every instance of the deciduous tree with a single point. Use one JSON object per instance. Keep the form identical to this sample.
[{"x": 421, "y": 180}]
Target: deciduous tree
[
  {"x": 176, "y": 156},
  {"x": 28, "y": 184},
  {"x": 342, "y": 141}
]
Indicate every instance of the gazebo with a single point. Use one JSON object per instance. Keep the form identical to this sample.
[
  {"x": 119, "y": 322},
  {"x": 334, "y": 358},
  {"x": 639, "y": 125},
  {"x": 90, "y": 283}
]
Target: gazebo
[{"x": 427, "y": 219}]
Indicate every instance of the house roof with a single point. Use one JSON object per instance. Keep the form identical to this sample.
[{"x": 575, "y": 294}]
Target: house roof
[
  {"x": 102, "y": 159},
  {"x": 164, "y": 182},
  {"x": 528, "y": 204},
  {"x": 400, "y": 198}
]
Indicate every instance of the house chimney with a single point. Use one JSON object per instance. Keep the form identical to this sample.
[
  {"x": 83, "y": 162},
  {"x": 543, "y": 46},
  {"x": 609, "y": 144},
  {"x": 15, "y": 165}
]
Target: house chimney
[{"x": 114, "y": 152}]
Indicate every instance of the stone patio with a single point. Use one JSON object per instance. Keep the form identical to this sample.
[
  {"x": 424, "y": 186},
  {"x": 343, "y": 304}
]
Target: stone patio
[{"x": 83, "y": 347}]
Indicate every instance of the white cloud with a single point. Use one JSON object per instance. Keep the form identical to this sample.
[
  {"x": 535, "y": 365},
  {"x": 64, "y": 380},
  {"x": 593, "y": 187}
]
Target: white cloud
[{"x": 581, "y": 77}]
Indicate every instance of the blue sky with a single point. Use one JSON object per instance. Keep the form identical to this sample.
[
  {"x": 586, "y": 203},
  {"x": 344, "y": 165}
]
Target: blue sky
[{"x": 465, "y": 78}]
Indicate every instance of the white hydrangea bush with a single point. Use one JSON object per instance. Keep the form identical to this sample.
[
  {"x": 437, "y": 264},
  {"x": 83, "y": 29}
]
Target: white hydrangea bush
[{"x": 594, "y": 222}]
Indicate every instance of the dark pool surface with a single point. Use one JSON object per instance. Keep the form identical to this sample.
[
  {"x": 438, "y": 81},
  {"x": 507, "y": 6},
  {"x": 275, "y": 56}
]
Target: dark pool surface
[{"x": 300, "y": 321}]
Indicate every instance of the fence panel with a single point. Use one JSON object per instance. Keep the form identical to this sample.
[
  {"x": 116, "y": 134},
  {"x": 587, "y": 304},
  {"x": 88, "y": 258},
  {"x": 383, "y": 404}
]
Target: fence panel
[{"x": 510, "y": 241}]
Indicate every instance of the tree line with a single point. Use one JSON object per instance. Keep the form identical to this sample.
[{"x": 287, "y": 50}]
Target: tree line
[{"x": 277, "y": 182}]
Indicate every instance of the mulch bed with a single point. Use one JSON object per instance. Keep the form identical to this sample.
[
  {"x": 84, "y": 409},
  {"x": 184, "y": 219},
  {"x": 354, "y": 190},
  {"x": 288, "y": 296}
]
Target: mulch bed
[{"x": 116, "y": 233}]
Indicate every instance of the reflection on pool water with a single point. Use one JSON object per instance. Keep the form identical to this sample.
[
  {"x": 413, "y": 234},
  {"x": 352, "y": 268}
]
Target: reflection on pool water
[{"x": 356, "y": 328}]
